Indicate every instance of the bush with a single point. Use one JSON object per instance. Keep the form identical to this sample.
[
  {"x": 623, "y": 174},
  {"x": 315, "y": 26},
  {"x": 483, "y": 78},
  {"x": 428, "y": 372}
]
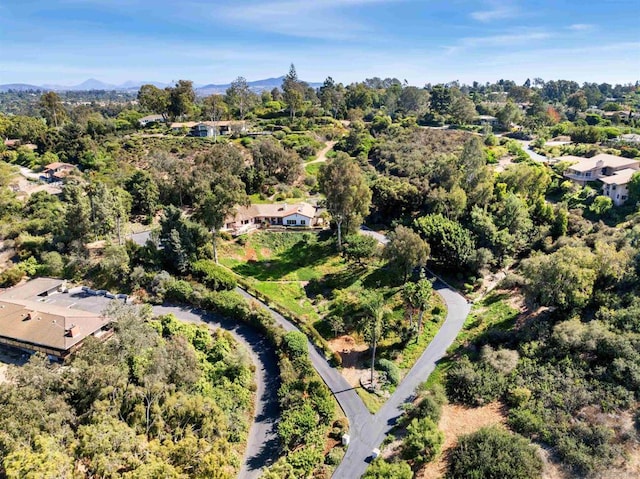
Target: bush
[
  {"x": 179, "y": 290},
  {"x": 423, "y": 441},
  {"x": 492, "y": 453},
  {"x": 334, "y": 457},
  {"x": 11, "y": 277},
  {"x": 380, "y": 469},
  {"x": 391, "y": 370},
  {"x": 296, "y": 344},
  {"x": 474, "y": 385},
  {"x": 213, "y": 276}
]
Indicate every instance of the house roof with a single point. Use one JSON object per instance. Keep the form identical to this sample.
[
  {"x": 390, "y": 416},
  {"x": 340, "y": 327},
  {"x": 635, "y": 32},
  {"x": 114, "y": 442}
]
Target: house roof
[
  {"x": 621, "y": 177},
  {"x": 191, "y": 124},
  {"x": 32, "y": 288},
  {"x": 608, "y": 161},
  {"x": 273, "y": 210},
  {"x": 152, "y": 118},
  {"x": 57, "y": 164},
  {"x": 24, "y": 318}
]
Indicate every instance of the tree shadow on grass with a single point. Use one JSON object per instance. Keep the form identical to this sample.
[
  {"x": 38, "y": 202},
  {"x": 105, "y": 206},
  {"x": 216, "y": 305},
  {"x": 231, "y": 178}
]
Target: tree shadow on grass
[{"x": 301, "y": 255}]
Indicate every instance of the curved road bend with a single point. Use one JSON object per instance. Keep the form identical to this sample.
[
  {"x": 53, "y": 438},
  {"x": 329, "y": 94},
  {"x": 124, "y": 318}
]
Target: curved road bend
[{"x": 262, "y": 443}]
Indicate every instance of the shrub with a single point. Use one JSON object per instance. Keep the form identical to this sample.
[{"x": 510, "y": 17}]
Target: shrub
[
  {"x": 334, "y": 457},
  {"x": 11, "y": 277},
  {"x": 423, "y": 441},
  {"x": 212, "y": 275},
  {"x": 474, "y": 385},
  {"x": 380, "y": 469},
  {"x": 492, "y": 453},
  {"x": 391, "y": 370},
  {"x": 296, "y": 344},
  {"x": 179, "y": 290},
  {"x": 518, "y": 396}
]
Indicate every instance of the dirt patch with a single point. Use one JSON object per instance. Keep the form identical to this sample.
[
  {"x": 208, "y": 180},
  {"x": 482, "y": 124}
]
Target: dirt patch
[
  {"x": 352, "y": 355},
  {"x": 456, "y": 421},
  {"x": 250, "y": 254}
]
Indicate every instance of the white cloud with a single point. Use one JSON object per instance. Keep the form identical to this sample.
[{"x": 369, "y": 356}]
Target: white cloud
[
  {"x": 507, "y": 40},
  {"x": 496, "y": 11},
  {"x": 324, "y": 19},
  {"x": 580, "y": 27}
]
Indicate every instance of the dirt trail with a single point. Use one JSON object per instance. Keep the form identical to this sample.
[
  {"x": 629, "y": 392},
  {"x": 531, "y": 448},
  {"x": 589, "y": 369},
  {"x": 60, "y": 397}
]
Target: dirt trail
[{"x": 322, "y": 154}]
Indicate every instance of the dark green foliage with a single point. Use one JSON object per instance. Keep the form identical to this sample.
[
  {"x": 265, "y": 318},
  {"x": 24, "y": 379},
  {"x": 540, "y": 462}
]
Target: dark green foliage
[
  {"x": 296, "y": 344},
  {"x": 452, "y": 245},
  {"x": 391, "y": 370},
  {"x": 359, "y": 248},
  {"x": 380, "y": 469},
  {"x": 493, "y": 453},
  {"x": 212, "y": 275},
  {"x": 422, "y": 442},
  {"x": 474, "y": 384}
]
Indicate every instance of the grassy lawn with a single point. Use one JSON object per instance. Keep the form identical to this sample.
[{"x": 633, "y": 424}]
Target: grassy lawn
[
  {"x": 372, "y": 401},
  {"x": 289, "y": 296}
]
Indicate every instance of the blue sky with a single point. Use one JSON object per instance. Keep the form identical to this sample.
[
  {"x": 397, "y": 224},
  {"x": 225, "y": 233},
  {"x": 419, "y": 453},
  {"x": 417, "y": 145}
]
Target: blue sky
[{"x": 214, "y": 41}]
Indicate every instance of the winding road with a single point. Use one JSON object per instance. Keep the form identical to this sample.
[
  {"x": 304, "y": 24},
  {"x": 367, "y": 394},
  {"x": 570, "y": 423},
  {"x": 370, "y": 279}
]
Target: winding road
[
  {"x": 262, "y": 444},
  {"x": 367, "y": 431}
]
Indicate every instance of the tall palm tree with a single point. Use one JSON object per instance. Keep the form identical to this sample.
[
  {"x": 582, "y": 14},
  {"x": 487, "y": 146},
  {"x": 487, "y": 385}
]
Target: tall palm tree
[{"x": 374, "y": 325}]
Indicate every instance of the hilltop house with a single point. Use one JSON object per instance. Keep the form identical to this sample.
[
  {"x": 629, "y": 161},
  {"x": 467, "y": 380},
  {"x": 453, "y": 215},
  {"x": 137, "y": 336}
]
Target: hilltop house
[
  {"x": 207, "y": 128},
  {"x": 614, "y": 172},
  {"x": 29, "y": 322},
  {"x": 56, "y": 171},
  {"x": 146, "y": 120},
  {"x": 247, "y": 218}
]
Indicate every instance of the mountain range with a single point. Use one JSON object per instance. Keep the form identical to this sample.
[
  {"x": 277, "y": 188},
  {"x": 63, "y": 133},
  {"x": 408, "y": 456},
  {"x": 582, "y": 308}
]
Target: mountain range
[{"x": 133, "y": 86}]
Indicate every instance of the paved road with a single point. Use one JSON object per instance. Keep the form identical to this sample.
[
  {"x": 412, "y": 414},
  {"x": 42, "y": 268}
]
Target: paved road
[
  {"x": 262, "y": 444},
  {"x": 367, "y": 431},
  {"x": 526, "y": 146}
]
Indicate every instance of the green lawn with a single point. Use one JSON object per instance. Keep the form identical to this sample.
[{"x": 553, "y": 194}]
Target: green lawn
[{"x": 290, "y": 296}]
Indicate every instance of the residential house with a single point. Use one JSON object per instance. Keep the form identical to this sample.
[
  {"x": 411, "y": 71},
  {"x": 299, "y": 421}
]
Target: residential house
[
  {"x": 616, "y": 185},
  {"x": 486, "y": 120},
  {"x": 147, "y": 120},
  {"x": 614, "y": 172},
  {"x": 57, "y": 171},
  {"x": 30, "y": 322},
  {"x": 206, "y": 128},
  {"x": 247, "y": 218}
]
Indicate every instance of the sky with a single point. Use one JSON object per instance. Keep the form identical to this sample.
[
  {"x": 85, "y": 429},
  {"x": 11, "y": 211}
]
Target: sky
[{"x": 65, "y": 42}]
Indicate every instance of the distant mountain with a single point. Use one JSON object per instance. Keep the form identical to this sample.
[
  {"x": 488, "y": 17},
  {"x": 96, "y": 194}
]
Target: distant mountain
[
  {"x": 19, "y": 87},
  {"x": 92, "y": 84},
  {"x": 256, "y": 86}
]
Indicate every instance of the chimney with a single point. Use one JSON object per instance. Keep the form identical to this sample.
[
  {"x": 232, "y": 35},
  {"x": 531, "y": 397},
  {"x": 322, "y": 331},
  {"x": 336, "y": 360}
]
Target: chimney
[{"x": 73, "y": 331}]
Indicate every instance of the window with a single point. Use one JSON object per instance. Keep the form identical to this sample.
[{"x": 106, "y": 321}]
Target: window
[
  {"x": 303, "y": 222},
  {"x": 587, "y": 174},
  {"x": 623, "y": 197},
  {"x": 291, "y": 222},
  {"x": 613, "y": 187}
]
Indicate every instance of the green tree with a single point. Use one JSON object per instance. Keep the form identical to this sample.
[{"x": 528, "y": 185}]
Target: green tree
[
  {"x": 347, "y": 192},
  {"x": 509, "y": 114},
  {"x": 406, "y": 250},
  {"x": 359, "y": 248},
  {"x": 293, "y": 91},
  {"x": 492, "y": 453},
  {"x": 601, "y": 205},
  {"x": 271, "y": 159},
  {"x": 144, "y": 194},
  {"x": 78, "y": 212},
  {"x": 441, "y": 98},
  {"x": 563, "y": 279},
  {"x": 374, "y": 324},
  {"x": 240, "y": 97},
  {"x": 332, "y": 97},
  {"x": 417, "y": 297},
  {"x": 226, "y": 192},
  {"x": 181, "y": 98},
  {"x": 634, "y": 189},
  {"x": 452, "y": 245},
  {"x": 46, "y": 460},
  {"x": 52, "y": 109},
  {"x": 423, "y": 441},
  {"x": 462, "y": 110},
  {"x": 154, "y": 99}
]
